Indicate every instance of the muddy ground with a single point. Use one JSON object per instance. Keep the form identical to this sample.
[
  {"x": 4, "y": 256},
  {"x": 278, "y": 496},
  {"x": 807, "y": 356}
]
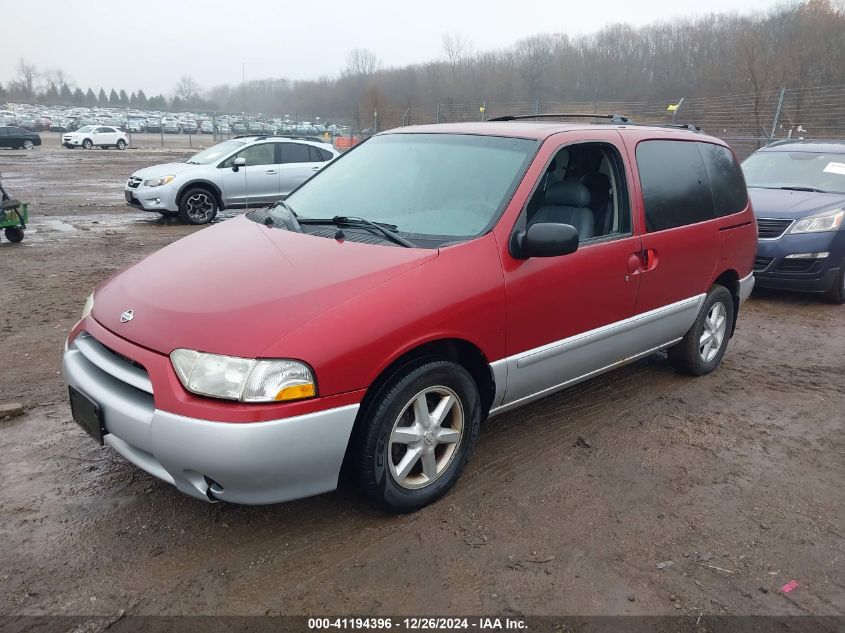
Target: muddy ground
[{"x": 737, "y": 477}]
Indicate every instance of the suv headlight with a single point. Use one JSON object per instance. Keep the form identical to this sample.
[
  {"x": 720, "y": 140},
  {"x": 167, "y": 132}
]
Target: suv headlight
[
  {"x": 158, "y": 182},
  {"x": 89, "y": 305},
  {"x": 824, "y": 221},
  {"x": 243, "y": 379}
]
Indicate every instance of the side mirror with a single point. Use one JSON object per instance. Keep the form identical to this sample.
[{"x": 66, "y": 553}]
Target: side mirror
[
  {"x": 545, "y": 239},
  {"x": 238, "y": 163}
]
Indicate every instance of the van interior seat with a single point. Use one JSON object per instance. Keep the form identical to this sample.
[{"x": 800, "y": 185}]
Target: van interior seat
[{"x": 568, "y": 202}]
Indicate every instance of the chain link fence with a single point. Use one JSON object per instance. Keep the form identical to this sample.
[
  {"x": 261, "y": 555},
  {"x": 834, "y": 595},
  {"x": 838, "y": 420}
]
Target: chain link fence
[{"x": 747, "y": 121}]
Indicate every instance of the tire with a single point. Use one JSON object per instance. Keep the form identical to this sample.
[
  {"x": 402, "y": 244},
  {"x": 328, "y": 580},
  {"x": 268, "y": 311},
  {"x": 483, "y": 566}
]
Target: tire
[
  {"x": 87, "y": 144},
  {"x": 121, "y": 144},
  {"x": 14, "y": 234},
  {"x": 716, "y": 317},
  {"x": 836, "y": 294},
  {"x": 198, "y": 206},
  {"x": 409, "y": 469},
  {"x": 28, "y": 144}
]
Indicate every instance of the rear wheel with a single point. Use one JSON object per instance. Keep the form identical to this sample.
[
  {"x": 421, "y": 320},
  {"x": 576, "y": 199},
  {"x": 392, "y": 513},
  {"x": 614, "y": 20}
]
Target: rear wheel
[
  {"x": 702, "y": 348},
  {"x": 198, "y": 206},
  {"x": 14, "y": 234},
  {"x": 121, "y": 144},
  {"x": 417, "y": 436},
  {"x": 87, "y": 144},
  {"x": 836, "y": 294}
]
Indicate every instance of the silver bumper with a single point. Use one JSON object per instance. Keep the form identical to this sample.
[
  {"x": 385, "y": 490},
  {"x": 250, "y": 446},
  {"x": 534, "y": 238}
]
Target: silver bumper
[
  {"x": 255, "y": 463},
  {"x": 746, "y": 285}
]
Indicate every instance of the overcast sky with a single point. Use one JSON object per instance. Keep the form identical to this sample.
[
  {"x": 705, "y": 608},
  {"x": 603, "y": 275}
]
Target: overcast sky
[{"x": 150, "y": 44}]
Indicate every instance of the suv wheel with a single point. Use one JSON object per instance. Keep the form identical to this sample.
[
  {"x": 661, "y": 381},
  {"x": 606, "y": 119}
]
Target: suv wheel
[
  {"x": 417, "y": 436},
  {"x": 87, "y": 144},
  {"x": 121, "y": 144},
  {"x": 198, "y": 206},
  {"x": 836, "y": 294},
  {"x": 701, "y": 350}
]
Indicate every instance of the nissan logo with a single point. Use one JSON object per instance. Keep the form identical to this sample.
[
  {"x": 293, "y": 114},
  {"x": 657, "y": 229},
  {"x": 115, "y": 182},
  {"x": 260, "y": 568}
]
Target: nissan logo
[{"x": 127, "y": 316}]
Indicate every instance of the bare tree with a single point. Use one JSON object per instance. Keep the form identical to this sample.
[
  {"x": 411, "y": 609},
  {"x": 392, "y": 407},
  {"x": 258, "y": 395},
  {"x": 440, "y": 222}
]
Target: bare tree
[
  {"x": 361, "y": 62},
  {"x": 457, "y": 50},
  {"x": 58, "y": 77},
  {"x": 27, "y": 74},
  {"x": 187, "y": 89}
]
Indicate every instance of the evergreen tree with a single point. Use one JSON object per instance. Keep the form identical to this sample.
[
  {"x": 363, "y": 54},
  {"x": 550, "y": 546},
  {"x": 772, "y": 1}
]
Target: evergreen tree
[
  {"x": 102, "y": 99},
  {"x": 133, "y": 100},
  {"x": 122, "y": 98},
  {"x": 52, "y": 94},
  {"x": 78, "y": 97},
  {"x": 114, "y": 100},
  {"x": 91, "y": 98},
  {"x": 142, "y": 99},
  {"x": 65, "y": 96},
  {"x": 176, "y": 104}
]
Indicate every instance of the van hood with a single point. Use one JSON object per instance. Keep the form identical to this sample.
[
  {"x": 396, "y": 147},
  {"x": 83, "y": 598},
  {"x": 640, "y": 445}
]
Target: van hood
[
  {"x": 162, "y": 170},
  {"x": 788, "y": 204},
  {"x": 238, "y": 287}
]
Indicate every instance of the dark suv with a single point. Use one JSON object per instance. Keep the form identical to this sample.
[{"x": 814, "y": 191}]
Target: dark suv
[{"x": 798, "y": 191}]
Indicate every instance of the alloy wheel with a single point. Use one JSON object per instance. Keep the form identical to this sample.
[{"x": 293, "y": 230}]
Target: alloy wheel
[
  {"x": 199, "y": 207},
  {"x": 425, "y": 437},
  {"x": 715, "y": 326}
]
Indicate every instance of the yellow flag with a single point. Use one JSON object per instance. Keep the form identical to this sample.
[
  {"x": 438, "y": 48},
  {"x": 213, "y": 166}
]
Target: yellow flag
[
  {"x": 481, "y": 109},
  {"x": 672, "y": 107}
]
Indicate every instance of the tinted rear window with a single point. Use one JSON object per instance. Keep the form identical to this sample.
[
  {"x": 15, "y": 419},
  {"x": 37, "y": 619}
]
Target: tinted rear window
[
  {"x": 676, "y": 188},
  {"x": 726, "y": 180}
]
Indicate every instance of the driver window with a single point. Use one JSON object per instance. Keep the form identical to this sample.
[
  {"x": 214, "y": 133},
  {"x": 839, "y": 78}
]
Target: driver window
[
  {"x": 584, "y": 185},
  {"x": 261, "y": 154}
]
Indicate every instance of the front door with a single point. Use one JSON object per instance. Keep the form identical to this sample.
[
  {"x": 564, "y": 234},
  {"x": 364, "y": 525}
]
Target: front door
[
  {"x": 256, "y": 184},
  {"x": 571, "y": 316}
]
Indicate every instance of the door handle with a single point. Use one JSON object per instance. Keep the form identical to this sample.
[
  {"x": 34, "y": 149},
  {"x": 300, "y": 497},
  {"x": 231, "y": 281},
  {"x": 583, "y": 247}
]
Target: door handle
[
  {"x": 272, "y": 171},
  {"x": 650, "y": 259},
  {"x": 315, "y": 168}
]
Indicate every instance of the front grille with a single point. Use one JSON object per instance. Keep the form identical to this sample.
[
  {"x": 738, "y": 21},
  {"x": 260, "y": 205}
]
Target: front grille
[
  {"x": 771, "y": 229},
  {"x": 762, "y": 263},
  {"x": 115, "y": 365},
  {"x": 796, "y": 265},
  {"x": 133, "y": 182}
]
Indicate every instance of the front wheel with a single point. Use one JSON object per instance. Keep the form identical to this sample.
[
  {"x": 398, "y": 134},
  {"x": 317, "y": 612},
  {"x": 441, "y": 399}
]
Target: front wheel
[
  {"x": 704, "y": 345},
  {"x": 121, "y": 144},
  {"x": 417, "y": 436},
  {"x": 198, "y": 206},
  {"x": 28, "y": 144},
  {"x": 836, "y": 294},
  {"x": 14, "y": 234},
  {"x": 87, "y": 144}
]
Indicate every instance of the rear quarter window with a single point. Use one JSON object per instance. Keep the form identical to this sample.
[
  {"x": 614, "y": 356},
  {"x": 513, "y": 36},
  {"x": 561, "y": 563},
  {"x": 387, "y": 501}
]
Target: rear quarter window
[
  {"x": 675, "y": 184},
  {"x": 730, "y": 194}
]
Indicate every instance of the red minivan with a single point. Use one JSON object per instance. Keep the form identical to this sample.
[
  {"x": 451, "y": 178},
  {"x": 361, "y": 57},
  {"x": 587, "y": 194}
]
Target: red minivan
[{"x": 425, "y": 280}]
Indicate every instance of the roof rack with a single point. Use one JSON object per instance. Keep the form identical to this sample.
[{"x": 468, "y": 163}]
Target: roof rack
[
  {"x": 264, "y": 137},
  {"x": 613, "y": 118}
]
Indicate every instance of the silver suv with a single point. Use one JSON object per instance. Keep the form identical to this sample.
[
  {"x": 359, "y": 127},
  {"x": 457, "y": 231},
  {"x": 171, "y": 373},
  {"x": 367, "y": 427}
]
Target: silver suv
[{"x": 251, "y": 171}]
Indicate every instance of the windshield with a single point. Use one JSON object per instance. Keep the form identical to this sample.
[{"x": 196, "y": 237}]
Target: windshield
[
  {"x": 86, "y": 128},
  {"x": 443, "y": 186},
  {"x": 215, "y": 152},
  {"x": 773, "y": 170}
]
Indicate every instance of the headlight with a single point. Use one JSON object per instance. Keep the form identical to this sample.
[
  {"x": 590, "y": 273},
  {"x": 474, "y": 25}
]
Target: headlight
[
  {"x": 243, "y": 379},
  {"x": 89, "y": 305},
  {"x": 158, "y": 182},
  {"x": 824, "y": 221}
]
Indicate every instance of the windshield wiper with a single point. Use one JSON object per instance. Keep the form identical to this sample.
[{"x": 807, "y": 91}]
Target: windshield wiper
[
  {"x": 812, "y": 189},
  {"x": 350, "y": 220}
]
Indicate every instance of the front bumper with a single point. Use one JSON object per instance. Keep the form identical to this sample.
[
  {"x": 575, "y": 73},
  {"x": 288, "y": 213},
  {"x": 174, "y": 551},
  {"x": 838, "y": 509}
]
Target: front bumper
[
  {"x": 152, "y": 198},
  {"x": 773, "y": 269},
  {"x": 253, "y": 463}
]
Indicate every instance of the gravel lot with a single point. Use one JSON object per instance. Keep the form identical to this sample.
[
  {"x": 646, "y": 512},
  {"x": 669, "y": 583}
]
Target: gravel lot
[{"x": 737, "y": 478}]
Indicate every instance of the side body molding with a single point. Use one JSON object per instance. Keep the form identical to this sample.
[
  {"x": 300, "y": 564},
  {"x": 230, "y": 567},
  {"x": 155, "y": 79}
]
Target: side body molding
[{"x": 538, "y": 372}]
